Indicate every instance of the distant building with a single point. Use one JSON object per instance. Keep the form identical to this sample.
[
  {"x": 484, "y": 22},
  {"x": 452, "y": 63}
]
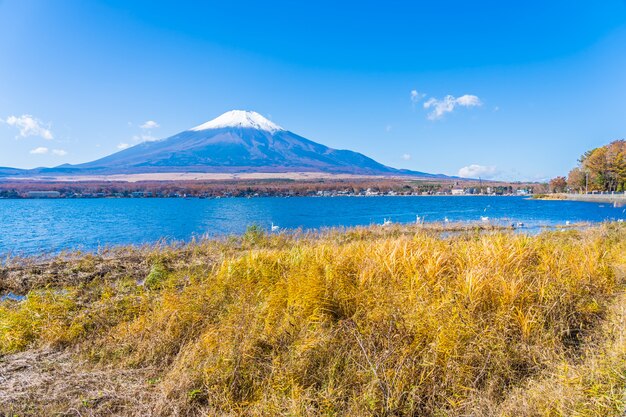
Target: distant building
[
  {"x": 43, "y": 194},
  {"x": 457, "y": 191}
]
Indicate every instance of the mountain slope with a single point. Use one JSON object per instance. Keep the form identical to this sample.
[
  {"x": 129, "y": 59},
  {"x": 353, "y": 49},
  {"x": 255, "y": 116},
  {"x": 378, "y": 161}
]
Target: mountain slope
[{"x": 4, "y": 171}]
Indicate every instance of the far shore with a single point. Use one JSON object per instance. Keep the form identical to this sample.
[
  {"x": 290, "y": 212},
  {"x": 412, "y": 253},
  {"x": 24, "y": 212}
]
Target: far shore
[{"x": 619, "y": 198}]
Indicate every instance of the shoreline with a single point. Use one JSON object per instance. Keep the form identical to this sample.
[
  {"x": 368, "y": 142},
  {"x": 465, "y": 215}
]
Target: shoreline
[
  {"x": 201, "y": 197},
  {"x": 588, "y": 198},
  {"x": 436, "y": 226}
]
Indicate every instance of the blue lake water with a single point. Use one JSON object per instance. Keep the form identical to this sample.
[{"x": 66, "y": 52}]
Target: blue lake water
[{"x": 48, "y": 226}]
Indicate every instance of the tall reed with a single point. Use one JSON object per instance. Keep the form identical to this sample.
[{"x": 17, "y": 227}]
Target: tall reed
[{"x": 400, "y": 322}]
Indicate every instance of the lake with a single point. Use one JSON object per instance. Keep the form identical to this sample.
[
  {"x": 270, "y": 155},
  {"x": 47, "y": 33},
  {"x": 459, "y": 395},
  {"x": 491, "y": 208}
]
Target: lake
[{"x": 48, "y": 226}]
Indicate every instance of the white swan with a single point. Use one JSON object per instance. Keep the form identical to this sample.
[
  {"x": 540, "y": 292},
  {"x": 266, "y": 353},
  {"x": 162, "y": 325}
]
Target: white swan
[{"x": 274, "y": 227}]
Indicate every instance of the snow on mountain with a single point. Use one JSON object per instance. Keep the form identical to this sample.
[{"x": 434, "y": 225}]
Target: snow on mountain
[{"x": 239, "y": 119}]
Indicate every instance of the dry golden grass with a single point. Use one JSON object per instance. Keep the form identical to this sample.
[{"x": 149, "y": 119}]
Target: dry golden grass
[{"x": 398, "y": 321}]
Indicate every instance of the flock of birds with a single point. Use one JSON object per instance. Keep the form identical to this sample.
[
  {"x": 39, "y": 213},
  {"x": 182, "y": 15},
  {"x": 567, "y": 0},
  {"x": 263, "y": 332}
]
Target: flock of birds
[{"x": 420, "y": 220}]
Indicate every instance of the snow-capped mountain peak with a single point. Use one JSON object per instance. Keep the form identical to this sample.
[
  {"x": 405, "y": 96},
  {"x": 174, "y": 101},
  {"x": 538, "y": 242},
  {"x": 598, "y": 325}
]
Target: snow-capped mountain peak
[
  {"x": 239, "y": 119},
  {"x": 235, "y": 142}
]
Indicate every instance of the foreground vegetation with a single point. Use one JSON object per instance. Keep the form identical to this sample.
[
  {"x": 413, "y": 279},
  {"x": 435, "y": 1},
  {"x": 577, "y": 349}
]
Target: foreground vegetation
[{"x": 402, "y": 321}]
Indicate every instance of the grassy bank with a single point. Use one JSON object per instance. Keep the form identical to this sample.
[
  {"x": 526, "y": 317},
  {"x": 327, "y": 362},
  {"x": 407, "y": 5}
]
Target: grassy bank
[{"x": 401, "y": 321}]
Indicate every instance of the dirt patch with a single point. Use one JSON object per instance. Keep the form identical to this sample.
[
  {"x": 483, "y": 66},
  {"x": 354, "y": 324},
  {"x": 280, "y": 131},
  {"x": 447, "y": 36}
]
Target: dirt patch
[
  {"x": 22, "y": 275},
  {"x": 52, "y": 382}
]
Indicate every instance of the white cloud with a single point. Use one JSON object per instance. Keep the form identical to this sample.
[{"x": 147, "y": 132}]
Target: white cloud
[
  {"x": 440, "y": 107},
  {"x": 468, "y": 100},
  {"x": 39, "y": 151},
  {"x": 144, "y": 138},
  {"x": 478, "y": 171},
  {"x": 30, "y": 126},
  {"x": 448, "y": 104},
  {"x": 406, "y": 156},
  {"x": 416, "y": 96},
  {"x": 150, "y": 124},
  {"x": 123, "y": 146},
  {"x": 59, "y": 152}
]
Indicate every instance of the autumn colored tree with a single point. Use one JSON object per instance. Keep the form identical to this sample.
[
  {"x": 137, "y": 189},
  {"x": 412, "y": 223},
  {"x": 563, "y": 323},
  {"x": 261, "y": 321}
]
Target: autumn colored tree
[
  {"x": 605, "y": 167},
  {"x": 576, "y": 180},
  {"x": 558, "y": 185}
]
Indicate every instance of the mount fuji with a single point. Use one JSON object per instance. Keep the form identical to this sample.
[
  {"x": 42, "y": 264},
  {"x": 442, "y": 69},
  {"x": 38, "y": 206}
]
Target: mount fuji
[{"x": 236, "y": 142}]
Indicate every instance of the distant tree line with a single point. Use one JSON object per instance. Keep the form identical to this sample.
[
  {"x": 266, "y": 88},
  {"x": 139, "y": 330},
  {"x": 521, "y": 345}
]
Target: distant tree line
[
  {"x": 599, "y": 169},
  {"x": 247, "y": 188}
]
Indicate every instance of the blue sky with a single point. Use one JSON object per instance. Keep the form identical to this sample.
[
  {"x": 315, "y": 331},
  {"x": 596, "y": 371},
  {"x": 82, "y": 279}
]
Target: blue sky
[{"x": 511, "y": 90}]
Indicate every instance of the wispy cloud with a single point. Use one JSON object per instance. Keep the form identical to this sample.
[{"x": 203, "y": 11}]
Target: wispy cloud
[
  {"x": 30, "y": 126},
  {"x": 478, "y": 171},
  {"x": 39, "y": 151},
  {"x": 59, "y": 152},
  {"x": 144, "y": 138},
  {"x": 468, "y": 100},
  {"x": 406, "y": 156},
  {"x": 416, "y": 96},
  {"x": 439, "y": 107},
  {"x": 150, "y": 124}
]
